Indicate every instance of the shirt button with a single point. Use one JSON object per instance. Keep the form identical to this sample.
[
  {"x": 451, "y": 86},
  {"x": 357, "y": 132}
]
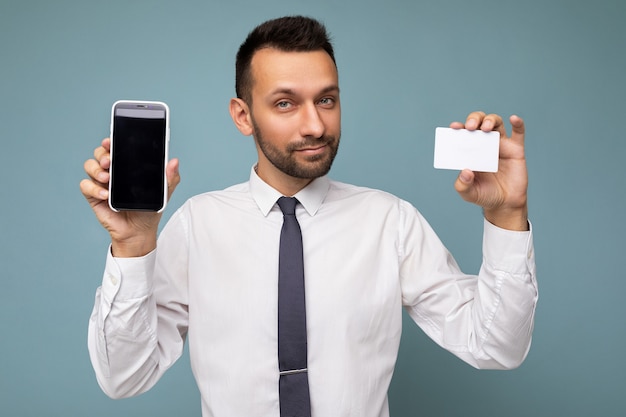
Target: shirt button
[{"x": 113, "y": 279}]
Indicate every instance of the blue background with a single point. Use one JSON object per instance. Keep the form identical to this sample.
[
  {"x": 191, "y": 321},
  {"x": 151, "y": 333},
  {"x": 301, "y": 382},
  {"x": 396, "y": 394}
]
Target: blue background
[{"x": 405, "y": 68}]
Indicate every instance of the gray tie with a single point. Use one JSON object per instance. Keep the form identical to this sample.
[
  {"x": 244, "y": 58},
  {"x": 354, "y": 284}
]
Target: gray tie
[{"x": 292, "y": 345}]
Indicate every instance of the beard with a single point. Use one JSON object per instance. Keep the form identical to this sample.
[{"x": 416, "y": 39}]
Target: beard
[{"x": 285, "y": 160}]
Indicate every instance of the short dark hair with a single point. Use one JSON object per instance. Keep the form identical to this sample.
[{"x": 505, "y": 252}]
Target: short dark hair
[{"x": 288, "y": 34}]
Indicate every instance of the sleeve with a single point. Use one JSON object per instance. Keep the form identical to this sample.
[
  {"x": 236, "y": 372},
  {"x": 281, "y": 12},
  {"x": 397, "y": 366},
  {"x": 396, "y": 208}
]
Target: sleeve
[
  {"x": 139, "y": 321},
  {"x": 486, "y": 319}
]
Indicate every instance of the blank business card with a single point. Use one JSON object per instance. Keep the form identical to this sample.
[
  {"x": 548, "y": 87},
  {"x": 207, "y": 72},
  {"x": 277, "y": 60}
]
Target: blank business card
[{"x": 460, "y": 149}]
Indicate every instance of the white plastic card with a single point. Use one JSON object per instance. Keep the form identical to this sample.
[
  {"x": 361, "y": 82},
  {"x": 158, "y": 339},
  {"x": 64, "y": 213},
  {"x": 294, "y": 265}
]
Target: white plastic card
[{"x": 464, "y": 149}]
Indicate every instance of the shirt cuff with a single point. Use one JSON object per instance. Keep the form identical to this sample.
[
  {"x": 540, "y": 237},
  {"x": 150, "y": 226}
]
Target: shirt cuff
[
  {"x": 508, "y": 250},
  {"x": 127, "y": 278}
]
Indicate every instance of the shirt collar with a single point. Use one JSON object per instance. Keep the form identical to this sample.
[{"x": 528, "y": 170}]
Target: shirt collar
[{"x": 311, "y": 197}]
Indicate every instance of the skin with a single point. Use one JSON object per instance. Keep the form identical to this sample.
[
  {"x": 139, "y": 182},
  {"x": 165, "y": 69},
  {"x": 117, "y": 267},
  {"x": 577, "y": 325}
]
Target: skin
[{"x": 295, "y": 119}]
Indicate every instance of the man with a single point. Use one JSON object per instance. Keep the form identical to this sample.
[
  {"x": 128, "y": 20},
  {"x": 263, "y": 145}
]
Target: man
[{"x": 213, "y": 276}]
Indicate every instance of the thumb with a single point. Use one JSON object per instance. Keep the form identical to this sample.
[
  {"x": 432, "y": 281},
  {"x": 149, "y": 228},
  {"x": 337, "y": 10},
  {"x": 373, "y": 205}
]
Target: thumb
[
  {"x": 464, "y": 185},
  {"x": 173, "y": 176}
]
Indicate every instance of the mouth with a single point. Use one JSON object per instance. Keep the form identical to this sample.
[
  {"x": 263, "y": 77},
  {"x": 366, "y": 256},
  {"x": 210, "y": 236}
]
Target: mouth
[
  {"x": 315, "y": 148},
  {"x": 312, "y": 150}
]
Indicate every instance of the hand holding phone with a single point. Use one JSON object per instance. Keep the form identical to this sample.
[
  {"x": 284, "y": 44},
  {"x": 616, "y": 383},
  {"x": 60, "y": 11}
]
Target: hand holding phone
[
  {"x": 139, "y": 152},
  {"x": 133, "y": 233}
]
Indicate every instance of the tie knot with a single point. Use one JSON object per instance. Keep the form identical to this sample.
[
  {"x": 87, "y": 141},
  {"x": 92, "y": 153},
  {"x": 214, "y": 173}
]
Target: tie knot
[{"x": 288, "y": 205}]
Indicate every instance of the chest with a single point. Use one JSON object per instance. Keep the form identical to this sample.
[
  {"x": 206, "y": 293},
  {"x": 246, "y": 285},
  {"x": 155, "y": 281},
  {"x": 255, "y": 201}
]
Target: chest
[{"x": 351, "y": 273}]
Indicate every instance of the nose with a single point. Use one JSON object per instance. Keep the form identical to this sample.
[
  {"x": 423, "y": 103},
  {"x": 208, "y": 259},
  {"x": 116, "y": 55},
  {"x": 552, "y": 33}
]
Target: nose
[{"x": 312, "y": 124}]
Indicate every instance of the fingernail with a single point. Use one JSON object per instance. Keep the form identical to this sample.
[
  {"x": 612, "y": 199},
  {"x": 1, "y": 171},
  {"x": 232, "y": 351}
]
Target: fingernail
[
  {"x": 471, "y": 124},
  {"x": 104, "y": 193},
  {"x": 465, "y": 177}
]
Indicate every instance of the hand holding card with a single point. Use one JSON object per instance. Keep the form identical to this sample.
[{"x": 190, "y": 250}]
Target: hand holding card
[
  {"x": 460, "y": 149},
  {"x": 502, "y": 192}
]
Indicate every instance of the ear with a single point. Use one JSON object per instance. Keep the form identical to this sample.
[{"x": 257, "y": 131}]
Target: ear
[{"x": 240, "y": 113}]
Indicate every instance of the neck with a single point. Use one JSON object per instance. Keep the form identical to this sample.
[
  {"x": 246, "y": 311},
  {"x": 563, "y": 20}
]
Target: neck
[{"x": 281, "y": 182}]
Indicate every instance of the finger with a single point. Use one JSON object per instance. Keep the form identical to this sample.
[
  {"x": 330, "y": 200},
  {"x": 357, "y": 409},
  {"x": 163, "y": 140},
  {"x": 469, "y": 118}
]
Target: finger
[
  {"x": 518, "y": 129},
  {"x": 464, "y": 185},
  {"x": 92, "y": 190},
  {"x": 106, "y": 161},
  {"x": 104, "y": 148},
  {"x": 95, "y": 172},
  {"x": 102, "y": 155},
  {"x": 173, "y": 176},
  {"x": 493, "y": 122},
  {"x": 474, "y": 120}
]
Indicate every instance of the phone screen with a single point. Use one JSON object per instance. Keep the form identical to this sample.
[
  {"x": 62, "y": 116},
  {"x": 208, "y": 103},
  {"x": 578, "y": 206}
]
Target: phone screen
[{"x": 138, "y": 153}]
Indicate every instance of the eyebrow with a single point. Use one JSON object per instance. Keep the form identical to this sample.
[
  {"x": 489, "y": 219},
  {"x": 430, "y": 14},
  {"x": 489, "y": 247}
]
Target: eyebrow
[{"x": 288, "y": 91}]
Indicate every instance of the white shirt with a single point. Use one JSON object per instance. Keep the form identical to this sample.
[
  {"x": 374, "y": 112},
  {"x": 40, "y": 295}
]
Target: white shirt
[{"x": 213, "y": 280}]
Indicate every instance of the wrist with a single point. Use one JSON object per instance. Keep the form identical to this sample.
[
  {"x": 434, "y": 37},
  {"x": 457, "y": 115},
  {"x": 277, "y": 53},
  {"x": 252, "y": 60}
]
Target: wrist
[
  {"x": 508, "y": 218},
  {"x": 135, "y": 247}
]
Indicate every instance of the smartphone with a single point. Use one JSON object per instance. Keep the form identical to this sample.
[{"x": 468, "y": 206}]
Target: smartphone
[{"x": 139, "y": 147}]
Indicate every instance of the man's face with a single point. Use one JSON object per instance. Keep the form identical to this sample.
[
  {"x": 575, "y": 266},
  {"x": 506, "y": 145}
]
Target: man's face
[{"x": 295, "y": 112}]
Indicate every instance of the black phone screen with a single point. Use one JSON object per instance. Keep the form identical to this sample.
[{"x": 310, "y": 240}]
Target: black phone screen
[{"x": 138, "y": 159}]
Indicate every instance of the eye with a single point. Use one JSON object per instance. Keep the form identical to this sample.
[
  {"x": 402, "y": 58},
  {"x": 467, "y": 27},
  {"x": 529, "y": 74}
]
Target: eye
[
  {"x": 283, "y": 105},
  {"x": 327, "y": 102}
]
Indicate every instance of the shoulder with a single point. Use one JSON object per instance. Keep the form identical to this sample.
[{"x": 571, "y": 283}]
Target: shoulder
[
  {"x": 374, "y": 208},
  {"x": 362, "y": 200},
  {"x": 341, "y": 191},
  {"x": 235, "y": 195}
]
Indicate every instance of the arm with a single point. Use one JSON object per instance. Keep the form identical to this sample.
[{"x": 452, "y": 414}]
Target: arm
[
  {"x": 140, "y": 317},
  {"x": 131, "y": 340},
  {"x": 485, "y": 319}
]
